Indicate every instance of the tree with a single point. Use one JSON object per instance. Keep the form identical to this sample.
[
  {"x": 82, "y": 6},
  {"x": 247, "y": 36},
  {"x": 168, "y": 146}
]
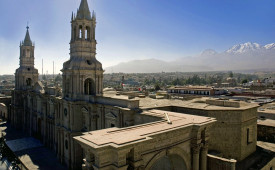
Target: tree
[
  {"x": 244, "y": 81},
  {"x": 44, "y": 77},
  {"x": 230, "y": 74},
  {"x": 157, "y": 87}
]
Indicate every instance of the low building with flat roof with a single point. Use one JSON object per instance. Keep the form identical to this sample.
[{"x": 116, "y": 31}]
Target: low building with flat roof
[
  {"x": 196, "y": 90},
  {"x": 172, "y": 142},
  {"x": 266, "y": 130}
]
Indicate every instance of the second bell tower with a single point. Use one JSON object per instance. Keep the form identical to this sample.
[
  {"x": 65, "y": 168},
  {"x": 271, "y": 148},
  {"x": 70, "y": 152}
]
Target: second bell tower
[
  {"x": 26, "y": 75},
  {"x": 82, "y": 73}
]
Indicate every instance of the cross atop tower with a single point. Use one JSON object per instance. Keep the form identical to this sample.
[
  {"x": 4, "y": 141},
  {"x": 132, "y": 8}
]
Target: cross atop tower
[{"x": 27, "y": 41}]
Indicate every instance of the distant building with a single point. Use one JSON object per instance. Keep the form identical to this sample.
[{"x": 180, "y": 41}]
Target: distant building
[
  {"x": 266, "y": 130},
  {"x": 196, "y": 90}
]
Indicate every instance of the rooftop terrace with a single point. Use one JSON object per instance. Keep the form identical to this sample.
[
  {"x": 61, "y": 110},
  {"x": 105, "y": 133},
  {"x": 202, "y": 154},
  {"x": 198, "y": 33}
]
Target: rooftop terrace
[
  {"x": 118, "y": 137},
  {"x": 205, "y": 103}
]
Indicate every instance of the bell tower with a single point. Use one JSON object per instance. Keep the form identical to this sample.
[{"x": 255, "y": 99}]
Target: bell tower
[
  {"x": 26, "y": 75},
  {"x": 82, "y": 73}
]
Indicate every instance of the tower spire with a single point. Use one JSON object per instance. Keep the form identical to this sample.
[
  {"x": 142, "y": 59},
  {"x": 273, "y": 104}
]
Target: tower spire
[
  {"x": 72, "y": 16},
  {"x": 27, "y": 40},
  {"x": 83, "y": 11}
]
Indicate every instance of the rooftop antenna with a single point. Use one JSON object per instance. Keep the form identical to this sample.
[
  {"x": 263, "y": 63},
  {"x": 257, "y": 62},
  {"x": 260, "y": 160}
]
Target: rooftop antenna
[
  {"x": 42, "y": 66},
  {"x": 53, "y": 69},
  {"x": 167, "y": 118}
]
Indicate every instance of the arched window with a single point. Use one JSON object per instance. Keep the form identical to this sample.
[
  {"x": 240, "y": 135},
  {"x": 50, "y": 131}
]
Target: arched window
[
  {"x": 80, "y": 32},
  {"x": 24, "y": 53},
  {"x": 87, "y": 33},
  {"x": 89, "y": 87},
  {"x": 65, "y": 112},
  {"x": 29, "y": 82},
  {"x": 66, "y": 144}
]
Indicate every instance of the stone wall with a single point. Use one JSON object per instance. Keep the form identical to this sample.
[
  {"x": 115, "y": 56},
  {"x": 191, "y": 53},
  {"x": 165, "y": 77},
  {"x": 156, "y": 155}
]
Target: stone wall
[
  {"x": 229, "y": 134},
  {"x": 218, "y": 163},
  {"x": 266, "y": 115},
  {"x": 266, "y": 133},
  {"x": 270, "y": 165},
  {"x": 225, "y": 103}
]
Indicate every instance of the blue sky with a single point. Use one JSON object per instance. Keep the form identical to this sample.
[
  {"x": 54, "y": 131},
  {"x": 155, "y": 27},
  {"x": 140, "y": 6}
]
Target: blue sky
[{"x": 134, "y": 29}]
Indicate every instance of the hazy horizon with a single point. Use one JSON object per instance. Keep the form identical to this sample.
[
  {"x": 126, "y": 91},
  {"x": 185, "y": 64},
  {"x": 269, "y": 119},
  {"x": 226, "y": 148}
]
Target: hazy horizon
[{"x": 134, "y": 30}]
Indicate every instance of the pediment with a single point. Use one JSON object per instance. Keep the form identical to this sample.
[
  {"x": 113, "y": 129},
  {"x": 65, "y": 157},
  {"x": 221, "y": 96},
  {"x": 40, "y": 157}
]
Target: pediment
[
  {"x": 110, "y": 115},
  {"x": 38, "y": 87},
  {"x": 84, "y": 110}
]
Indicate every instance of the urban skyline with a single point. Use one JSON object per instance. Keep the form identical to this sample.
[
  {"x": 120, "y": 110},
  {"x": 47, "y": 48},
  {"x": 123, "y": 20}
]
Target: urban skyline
[{"x": 130, "y": 30}]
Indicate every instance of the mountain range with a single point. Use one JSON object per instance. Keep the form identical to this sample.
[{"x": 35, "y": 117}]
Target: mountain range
[{"x": 246, "y": 56}]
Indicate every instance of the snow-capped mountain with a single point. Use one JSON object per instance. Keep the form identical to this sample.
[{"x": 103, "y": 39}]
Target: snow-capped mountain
[
  {"x": 246, "y": 56},
  {"x": 242, "y": 48},
  {"x": 269, "y": 46},
  {"x": 249, "y": 47}
]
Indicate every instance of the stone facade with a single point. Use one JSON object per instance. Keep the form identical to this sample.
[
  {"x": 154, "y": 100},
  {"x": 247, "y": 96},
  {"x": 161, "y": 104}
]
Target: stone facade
[
  {"x": 26, "y": 75},
  {"x": 235, "y": 133},
  {"x": 3, "y": 111},
  {"x": 181, "y": 144}
]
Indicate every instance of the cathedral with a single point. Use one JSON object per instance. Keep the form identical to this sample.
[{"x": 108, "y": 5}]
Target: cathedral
[{"x": 89, "y": 129}]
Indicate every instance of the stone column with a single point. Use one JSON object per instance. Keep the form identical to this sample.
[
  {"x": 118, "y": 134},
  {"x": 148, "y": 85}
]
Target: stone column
[
  {"x": 62, "y": 147},
  {"x": 58, "y": 145},
  {"x": 196, "y": 156},
  {"x": 83, "y": 32},
  {"x": 77, "y": 32},
  {"x": 203, "y": 160}
]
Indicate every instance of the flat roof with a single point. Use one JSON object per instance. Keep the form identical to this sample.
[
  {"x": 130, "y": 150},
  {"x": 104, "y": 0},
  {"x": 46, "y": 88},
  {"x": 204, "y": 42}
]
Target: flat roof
[
  {"x": 269, "y": 111},
  {"x": 118, "y": 137},
  {"x": 266, "y": 122},
  {"x": 193, "y": 87},
  {"x": 266, "y": 145},
  {"x": 196, "y": 103}
]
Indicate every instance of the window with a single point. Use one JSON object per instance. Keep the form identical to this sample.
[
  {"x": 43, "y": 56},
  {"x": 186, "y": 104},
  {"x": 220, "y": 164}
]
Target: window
[
  {"x": 89, "y": 87},
  {"x": 65, "y": 112},
  {"x": 249, "y": 137},
  {"x": 112, "y": 125},
  {"x": 87, "y": 33},
  {"x": 29, "y": 82},
  {"x": 80, "y": 32},
  {"x": 66, "y": 144}
]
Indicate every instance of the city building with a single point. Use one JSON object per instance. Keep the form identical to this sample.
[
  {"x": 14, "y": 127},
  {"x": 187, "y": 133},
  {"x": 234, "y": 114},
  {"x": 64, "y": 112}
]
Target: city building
[
  {"x": 198, "y": 90},
  {"x": 89, "y": 129}
]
